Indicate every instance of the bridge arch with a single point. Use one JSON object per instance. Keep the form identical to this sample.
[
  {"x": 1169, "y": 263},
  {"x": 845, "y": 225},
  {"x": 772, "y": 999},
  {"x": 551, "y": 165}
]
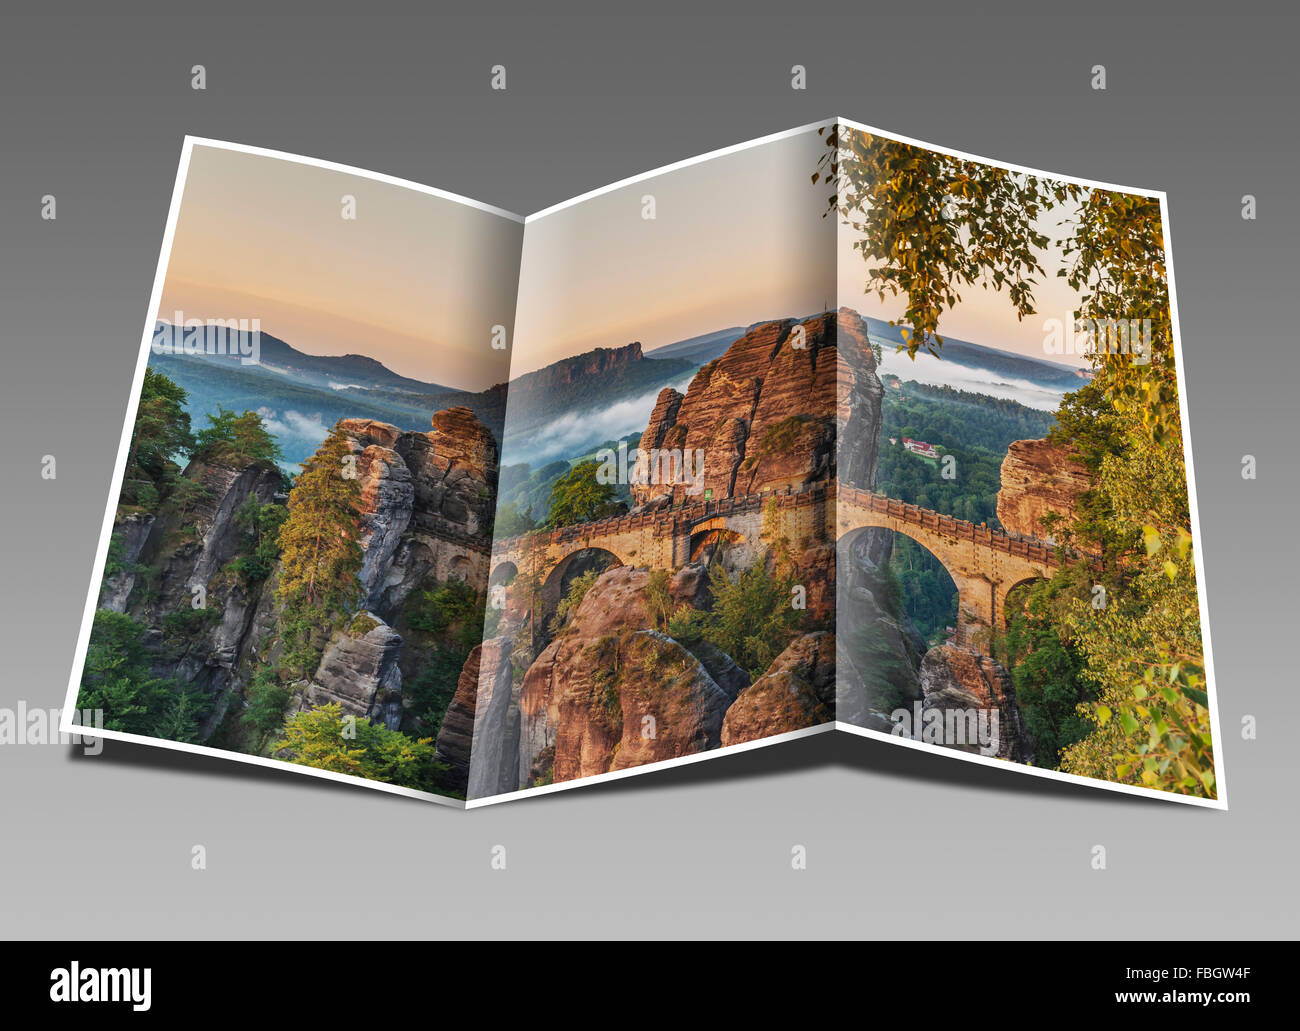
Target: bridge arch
[
  {"x": 706, "y": 542},
  {"x": 561, "y": 577},
  {"x": 461, "y": 568},
  {"x": 503, "y": 574},
  {"x": 983, "y": 563},
  {"x": 934, "y": 602},
  {"x": 1008, "y": 605}
]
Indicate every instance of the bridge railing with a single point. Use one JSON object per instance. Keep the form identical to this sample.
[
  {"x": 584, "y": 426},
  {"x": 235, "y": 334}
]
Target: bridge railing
[
  {"x": 685, "y": 511},
  {"x": 1037, "y": 551},
  {"x": 670, "y": 517}
]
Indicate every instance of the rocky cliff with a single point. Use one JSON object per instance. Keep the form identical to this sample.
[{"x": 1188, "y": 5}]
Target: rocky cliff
[
  {"x": 359, "y": 671},
  {"x": 796, "y": 692},
  {"x": 610, "y": 691},
  {"x": 426, "y": 503},
  {"x": 175, "y": 578},
  {"x": 879, "y": 649},
  {"x": 425, "y": 518},
  {"x": 567, "y": 387},
  {"x": 783, "y": 407},
  {"x": 958, "y": 681},
  {"x": 1039, "y": 479}
]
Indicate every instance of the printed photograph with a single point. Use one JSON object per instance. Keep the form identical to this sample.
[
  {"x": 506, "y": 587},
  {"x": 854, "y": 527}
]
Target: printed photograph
[
  {"x": 827, "y": 429},
  {"x": 1017, "y": 576},
  {"x": 660, "y": 580},
  {"x": 298, "y": 560}
]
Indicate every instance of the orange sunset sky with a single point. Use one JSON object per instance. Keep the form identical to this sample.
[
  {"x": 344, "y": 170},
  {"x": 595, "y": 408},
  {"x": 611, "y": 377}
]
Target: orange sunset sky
[{"x": 416, "y": 281}]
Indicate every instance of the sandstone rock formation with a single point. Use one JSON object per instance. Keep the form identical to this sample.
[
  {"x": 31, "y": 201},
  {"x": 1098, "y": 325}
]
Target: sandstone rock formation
[
  {"x": 796, "y": 692},
  {"x": 780, "y": 408},
  {"x": 426, "y": 503},
  {"x": 130, "y": 533},
  {"x": 425, "y": 516},
  {"x": 880, "y": 650},
  {"x": 494, "y": 742},
  {"x": 359, "y": 672},
  {"x": 1039, "y": 478},
  {"x": 572, "y": 695},
  {"x": 185, "y": 554},
  {"x": 607, "y": 693},
  {"x": 960, "y": 680},
  {"x": 456, "y": 734}
]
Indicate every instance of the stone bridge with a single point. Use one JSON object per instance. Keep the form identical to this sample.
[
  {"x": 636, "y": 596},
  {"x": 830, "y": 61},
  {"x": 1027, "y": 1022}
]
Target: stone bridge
[{"x": 985, "y": 564}]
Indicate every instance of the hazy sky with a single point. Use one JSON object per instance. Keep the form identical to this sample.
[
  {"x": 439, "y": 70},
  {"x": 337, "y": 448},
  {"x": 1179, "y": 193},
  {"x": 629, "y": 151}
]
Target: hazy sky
[
  {"x": 982, "y": 316},
  {"x": 736, "y": 239},
  {"x": 416, "y": 281}
]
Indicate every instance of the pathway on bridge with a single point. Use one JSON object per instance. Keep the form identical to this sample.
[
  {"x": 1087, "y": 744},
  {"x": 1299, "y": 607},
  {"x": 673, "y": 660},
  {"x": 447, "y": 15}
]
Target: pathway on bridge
[{"x": 985, "y": 564}]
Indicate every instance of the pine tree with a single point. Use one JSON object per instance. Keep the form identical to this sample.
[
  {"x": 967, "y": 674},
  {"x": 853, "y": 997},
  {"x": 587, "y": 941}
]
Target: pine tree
[
  {"x": 162, "y": 429},
  {"x": 320, "y": 554}
]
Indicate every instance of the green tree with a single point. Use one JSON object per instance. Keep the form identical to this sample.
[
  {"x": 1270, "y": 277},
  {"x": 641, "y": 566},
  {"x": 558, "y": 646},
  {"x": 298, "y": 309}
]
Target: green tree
[
  {"x": 1151, "y": 716},
  {"x": 161, "y": 430},
  {"x": 752, "y": 618},
  {"x": 267, "y": 699},
  {"x": 511, "y": 522},
  {"x": 1116, "y": 261},
  {"x": 185, "y": 495},
  {"x": 181, "y": 716},
  {"x": 117, "y": 677},
  {"x": 318, "y": 738},
  {"x": 320, "y": 556},
  {"x": 259, "y": 545},
  {"x": 447, "y": 622},
  {"x": 931, "y": 224},
  {"x": 1049, "y": 673},
  {"x": 236, "y": 439},
  {"x": 578, "y": 497}
]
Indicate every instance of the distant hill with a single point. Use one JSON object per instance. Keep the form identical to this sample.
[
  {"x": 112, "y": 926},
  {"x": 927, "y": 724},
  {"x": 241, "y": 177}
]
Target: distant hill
[
  {"x": 588, "y": 381},
  {"x": 330, "y": 371},
  {"x": 1039, "y": 371},
  {"x": 701, "y": 349},
  {"x": 302, "y": 395}
]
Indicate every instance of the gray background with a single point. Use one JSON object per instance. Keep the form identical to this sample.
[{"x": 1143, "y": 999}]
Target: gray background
[{"x": 93, "y": 109}]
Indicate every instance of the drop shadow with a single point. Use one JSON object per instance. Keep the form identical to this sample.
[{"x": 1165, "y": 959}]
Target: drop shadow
[
  {"x": 217, "y": 762},
  {"x": 833, "y": 750},
  {"x": 838, "y": 750}
]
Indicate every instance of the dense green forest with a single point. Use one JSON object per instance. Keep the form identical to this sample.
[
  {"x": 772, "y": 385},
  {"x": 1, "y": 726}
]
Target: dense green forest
[
  {"x": 973, "y": 429},
  {"x": 925, "y": 589},
  {"x": 307, "y": 549},
  {"x": 960, "y": 418}
]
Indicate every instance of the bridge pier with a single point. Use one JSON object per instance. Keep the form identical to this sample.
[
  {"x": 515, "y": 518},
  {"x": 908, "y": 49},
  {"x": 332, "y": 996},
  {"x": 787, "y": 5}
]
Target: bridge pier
[{"x": 976, "y": 602}]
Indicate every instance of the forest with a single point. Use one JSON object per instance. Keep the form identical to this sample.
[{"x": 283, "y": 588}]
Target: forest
[
  {"x": 975, "y": 430},
  {"x": 297, "y": 550}
]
